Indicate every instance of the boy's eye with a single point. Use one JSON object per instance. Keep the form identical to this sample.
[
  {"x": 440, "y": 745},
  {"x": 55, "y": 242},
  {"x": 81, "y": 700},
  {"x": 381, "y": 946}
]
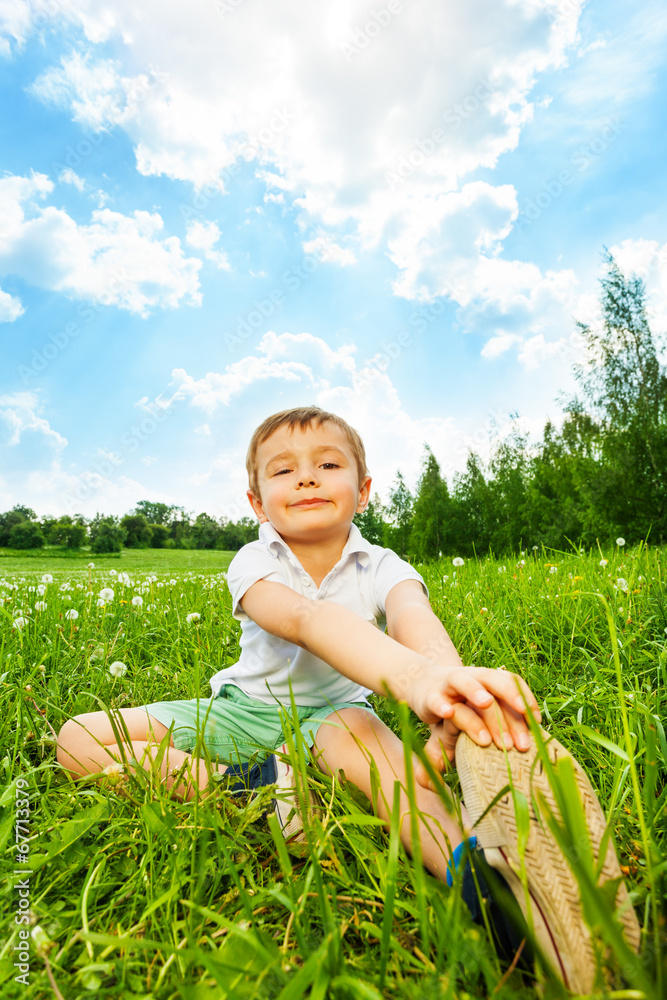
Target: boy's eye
[
  {"x": 280, "y": 472},
  {"x": 329, "y": 465}
]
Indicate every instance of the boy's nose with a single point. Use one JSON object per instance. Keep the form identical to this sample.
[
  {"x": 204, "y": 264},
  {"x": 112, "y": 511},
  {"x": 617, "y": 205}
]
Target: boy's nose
[{"x": 307, "y": 478}]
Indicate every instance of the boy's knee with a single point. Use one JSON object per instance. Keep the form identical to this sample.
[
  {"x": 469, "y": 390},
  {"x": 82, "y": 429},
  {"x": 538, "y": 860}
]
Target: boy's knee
[{"x": 359, "y": 725}]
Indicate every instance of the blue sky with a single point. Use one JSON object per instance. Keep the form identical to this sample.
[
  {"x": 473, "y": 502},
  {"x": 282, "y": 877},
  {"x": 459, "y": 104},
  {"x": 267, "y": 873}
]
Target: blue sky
[{"x": 393, "y": 210}]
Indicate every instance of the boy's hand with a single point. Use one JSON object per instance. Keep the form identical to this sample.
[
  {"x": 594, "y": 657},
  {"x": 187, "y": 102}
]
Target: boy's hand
[{"x": 490, "y": 705}]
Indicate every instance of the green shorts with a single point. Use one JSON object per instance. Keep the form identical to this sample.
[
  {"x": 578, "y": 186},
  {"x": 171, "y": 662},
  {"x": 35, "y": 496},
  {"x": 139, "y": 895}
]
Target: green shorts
[{"x": 235, "y": 727}]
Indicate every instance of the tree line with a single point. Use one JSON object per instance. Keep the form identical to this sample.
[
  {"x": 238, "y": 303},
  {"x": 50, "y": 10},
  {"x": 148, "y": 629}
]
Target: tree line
[{"x": 600, "y": 475}]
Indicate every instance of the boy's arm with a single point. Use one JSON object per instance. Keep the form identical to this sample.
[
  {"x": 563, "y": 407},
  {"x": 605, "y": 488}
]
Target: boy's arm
[
  {"x": 358, "y": 650},
  {"x": 412, "y": 622}
]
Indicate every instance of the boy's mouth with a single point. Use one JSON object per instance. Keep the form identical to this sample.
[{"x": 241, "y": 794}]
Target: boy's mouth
[{"x": 312, "y": 502}]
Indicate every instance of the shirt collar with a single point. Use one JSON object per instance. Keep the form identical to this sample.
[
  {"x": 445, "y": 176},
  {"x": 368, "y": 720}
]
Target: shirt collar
[{"x": 356, "y": 544}]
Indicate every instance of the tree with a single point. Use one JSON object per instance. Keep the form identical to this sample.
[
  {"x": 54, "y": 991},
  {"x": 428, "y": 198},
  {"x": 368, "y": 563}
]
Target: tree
[
  {"x": 11, "y": 517},
  {"x": 623, "y": 381},
  {"x": 137, "y": 531},
  {"x": 205, "y": 532},
  {"x": 71, "y": 533},
  {"x": 371, "y": 522},
  {"x": 26, "y": 535},
  {"x": 509, "y": 467},
  {"x": 156, "y": 512},
  {"x": 432, "y": 530},
  {"x": 106, "y": 534},
  {"x": 399, "y": 517},
  {"x": 472, "y": 514},
  {"x": 159, "y": 536}
]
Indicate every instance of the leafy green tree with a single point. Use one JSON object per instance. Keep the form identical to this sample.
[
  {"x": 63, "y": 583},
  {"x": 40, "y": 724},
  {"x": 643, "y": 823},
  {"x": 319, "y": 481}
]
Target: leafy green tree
[
  {"x": 137, "y": 531},
  {"x": 159, "y": 536},
  {"x": 205, "y": 532},
  {"x": 156, "y": 512},
  {"x": 509, "y": 468},
  {"x": 398, "y": 513},
  {"x": 235, "y": 534},
  {"x": 472, "y": 508},
  {"x": 432, "y": 528},
  {"x": 16, "y": 515},
  {"x": 66, "y": 531},
  {"x": 626, "y": 386},
  {"x": 106, "y": 534},
  {"x": 26, "y": 535},
  {"x": 371, "y": 522}
]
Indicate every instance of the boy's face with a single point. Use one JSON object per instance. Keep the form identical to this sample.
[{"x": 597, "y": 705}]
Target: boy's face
[{"x": 308, "y": 483}]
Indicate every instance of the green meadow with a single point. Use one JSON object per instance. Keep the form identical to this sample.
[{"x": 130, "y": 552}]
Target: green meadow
[{"x": 132, "y": 894}]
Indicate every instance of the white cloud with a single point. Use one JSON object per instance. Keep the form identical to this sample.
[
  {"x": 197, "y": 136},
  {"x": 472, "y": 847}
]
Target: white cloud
[
  {"x": 647, "y": 259},
  {"x": 10, "y": 307},
  {"x": 203, "y": 236},
  {"x": 69, "y": 176},
  {"x": 432, "y": 95},
  {"x": 20, "y": 410},
  {"x": 327, "y": 250},
  {"x": 115, "y": 260}
]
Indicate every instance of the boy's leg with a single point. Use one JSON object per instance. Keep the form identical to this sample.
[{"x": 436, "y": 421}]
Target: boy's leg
[
  {"x": 87, "y": 744},
  {"x": 348, "y": 741}
]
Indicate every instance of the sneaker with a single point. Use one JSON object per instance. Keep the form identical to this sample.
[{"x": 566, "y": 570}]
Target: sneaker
[
  {"x": 553, "y": 909},
  {"x": 275, "y": 770}
]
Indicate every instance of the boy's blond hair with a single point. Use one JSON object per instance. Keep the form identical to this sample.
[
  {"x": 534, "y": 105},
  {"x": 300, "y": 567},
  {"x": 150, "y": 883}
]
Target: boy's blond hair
[{"x": 302, "y": 417}]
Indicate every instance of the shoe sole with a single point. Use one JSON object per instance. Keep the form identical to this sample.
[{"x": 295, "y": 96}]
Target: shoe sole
[{"x": 555, "y": 903}]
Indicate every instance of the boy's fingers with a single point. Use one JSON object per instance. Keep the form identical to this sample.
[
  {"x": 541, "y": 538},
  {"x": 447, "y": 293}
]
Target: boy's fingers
[
  {"x": 472, "y": 723},
  {"x": 481, "y": 684},
  {"x": 507, "y": 727}
]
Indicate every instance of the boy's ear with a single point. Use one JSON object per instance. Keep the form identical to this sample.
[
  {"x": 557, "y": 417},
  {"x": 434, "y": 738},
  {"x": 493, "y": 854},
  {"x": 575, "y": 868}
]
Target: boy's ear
[
  {"x": 364, "y": 495},
  {"x": 257, "y": 506}
]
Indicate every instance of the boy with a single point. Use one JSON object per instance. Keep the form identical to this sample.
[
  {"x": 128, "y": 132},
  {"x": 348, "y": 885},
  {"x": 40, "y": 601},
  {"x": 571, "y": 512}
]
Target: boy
[{"x": 309, "y": 594}]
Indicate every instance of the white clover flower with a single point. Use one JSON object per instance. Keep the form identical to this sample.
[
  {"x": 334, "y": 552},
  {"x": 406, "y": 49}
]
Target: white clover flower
[
  {"x": 194, "y": 616},
  {"x": 47, "y": 578},
  {"x": 40, "y": 605},
  {"x": 20, "y": 622},
  {"x": 457, "y": 561},
  {"x": 603, "y": 562},
  {"x": 91, "y": 565},
  {"x": 137, "y": 601},
  {"x": 72, "y": 614},
  {"x": 553, "y": 569},
  {"x": 117, "y": 668},
  {"x": 107, "y": 594},
  {"x": 620, "y": 541},
  {"x": 622, "y": 584}
]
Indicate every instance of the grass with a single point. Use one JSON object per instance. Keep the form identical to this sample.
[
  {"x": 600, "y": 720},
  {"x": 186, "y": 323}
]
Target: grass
[{"x": 138, "y": 895}]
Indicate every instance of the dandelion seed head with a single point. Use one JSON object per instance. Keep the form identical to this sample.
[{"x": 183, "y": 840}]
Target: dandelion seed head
[
  {"x": 47, "y": 578},
  {"x": 457, "y": 561},
  {"x": 137, "y": 601},
  {"x": 620, "y": 542},
  {"x": 117, "y": 668},
  {"x": 194, "y": 616},
  {"x": 72, "y": 614}
]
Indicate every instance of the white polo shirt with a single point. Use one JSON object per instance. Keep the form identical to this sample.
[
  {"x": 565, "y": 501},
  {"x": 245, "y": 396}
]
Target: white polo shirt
[{"x": 360, "y": 581}]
